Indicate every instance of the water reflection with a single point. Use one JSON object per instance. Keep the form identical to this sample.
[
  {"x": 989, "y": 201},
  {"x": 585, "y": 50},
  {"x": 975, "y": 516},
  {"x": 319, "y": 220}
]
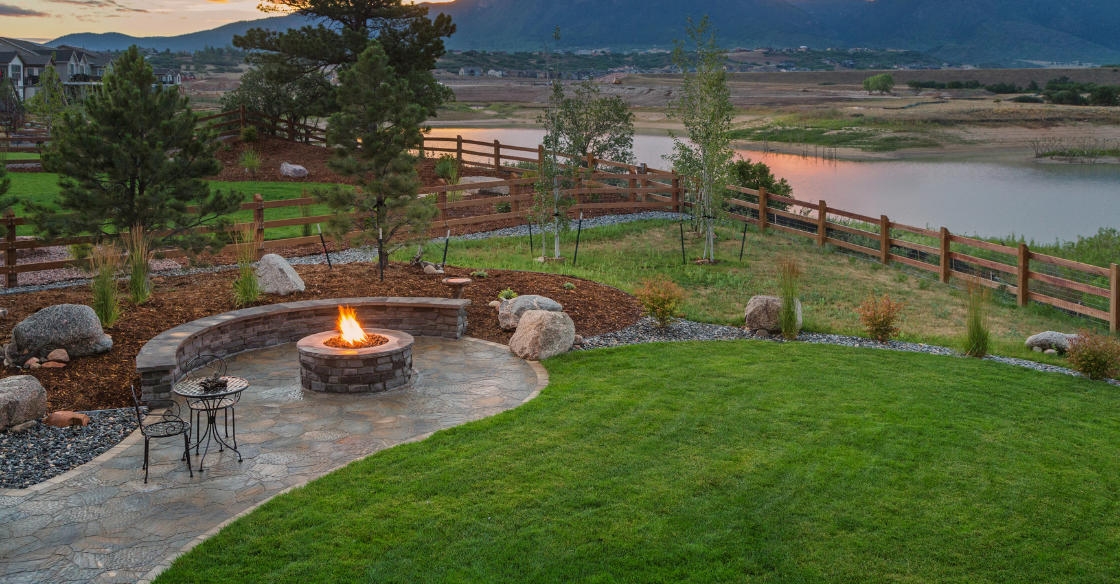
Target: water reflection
[{"x": 986, "y": 194}]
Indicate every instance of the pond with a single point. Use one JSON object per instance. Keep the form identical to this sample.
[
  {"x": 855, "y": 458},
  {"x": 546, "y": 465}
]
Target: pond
[{"x": 988, "y": 194}]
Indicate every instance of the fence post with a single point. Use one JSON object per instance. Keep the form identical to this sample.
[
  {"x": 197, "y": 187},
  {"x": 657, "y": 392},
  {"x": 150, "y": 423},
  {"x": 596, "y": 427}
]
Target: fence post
[
  {"x": 884, "y": 239},
  {"x": 10, "y": 253},
  {"x": 242, "y": 112},
  {"x": 442, "y": 200},
  {"x": 459, "y": 150},
  {"x": 497, "y": 155},
  {"x": 258, "y": 219},
  {"x": 540, "y": 159},
  {"x": 822, "y": 224},
  {"x": 678, "y": 200},
  {"x": 1024, "y": 274},
  {"x": 946, "y": 262},
  {"x": 633, "y": 185},
  {"x": 421, "y": 146},
  {"x": 1114, "y": 301},
  {"x": 762, "y": 204},
  {"x": 291, "y": 130}
]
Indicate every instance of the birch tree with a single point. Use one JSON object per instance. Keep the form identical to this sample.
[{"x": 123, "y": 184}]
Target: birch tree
[
  {"x": 704, "y": 108},
  {"x": 50, "y": 101}
]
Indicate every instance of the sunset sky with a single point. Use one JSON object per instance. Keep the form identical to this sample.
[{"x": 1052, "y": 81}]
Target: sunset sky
[{"x": 44, "y": 20}]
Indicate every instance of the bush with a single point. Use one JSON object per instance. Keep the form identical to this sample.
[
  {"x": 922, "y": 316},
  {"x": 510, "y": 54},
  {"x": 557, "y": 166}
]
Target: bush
[
  {"x": 306, "y": 211},
  {"x": 105, "y": 261},
  {"x": 503, "y": 207},
  {"x": 789, "y": 280},
  {"x": 246, "y": 288},
  {"x": 251, "y": 160},
  {"x": 1094, "y": 355},
  {"x": 878, "y": 315},
  {"x": 507, "y": 294},
  {"x": 446, "y": 165},
  {"x": 479, "y": 274},
  {"x": 569, "y": 286},
  {"x": 80, "y": 252},
  {"x": 661, "y": 299},
  {"x": 138, "y": 243},
  {"x": 249, "y": 134},
  {"x": 978, "y": 339},
  {"x": 1027, "y": 99}
]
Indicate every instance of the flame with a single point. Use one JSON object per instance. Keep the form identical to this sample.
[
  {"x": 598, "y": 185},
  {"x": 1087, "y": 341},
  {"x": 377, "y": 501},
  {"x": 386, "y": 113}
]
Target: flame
[{"x": 352, "y": 332}]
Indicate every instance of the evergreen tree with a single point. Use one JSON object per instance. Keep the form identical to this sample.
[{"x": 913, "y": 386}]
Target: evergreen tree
[
  {"x": 13, "y": 113},
  {"x": 133, "y": 157},
  {"x": 377, "y": 128},
  {"x": 50, "y": 100}
]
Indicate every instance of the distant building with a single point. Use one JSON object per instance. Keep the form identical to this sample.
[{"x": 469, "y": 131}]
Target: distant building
[
  {"x": 25, "y": 61},
  {"x": 497, "y": 73},
  {"x": 470, "y": 71}
]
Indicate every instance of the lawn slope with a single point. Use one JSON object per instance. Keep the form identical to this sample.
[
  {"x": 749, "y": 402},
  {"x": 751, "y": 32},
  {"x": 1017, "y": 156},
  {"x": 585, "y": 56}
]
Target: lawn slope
[{"x": 717, "y": 462}]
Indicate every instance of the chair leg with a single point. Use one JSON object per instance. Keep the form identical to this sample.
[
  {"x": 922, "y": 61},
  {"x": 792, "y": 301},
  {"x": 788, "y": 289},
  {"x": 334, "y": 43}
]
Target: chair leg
[
  {"x": 187, "y": 450},
  {"x": 198, "y": 427},
  {"x": 146, "y": 440},
  {"x": 233, "y": 413},
  {"x": 225, "y": 420}
]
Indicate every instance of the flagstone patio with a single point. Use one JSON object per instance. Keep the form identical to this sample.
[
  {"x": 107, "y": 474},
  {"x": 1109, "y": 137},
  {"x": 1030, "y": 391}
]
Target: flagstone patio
[{"x": 101, "y": 523}]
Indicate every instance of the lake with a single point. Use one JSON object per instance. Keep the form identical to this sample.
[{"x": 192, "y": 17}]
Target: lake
[{"x": 994, "y": 194}]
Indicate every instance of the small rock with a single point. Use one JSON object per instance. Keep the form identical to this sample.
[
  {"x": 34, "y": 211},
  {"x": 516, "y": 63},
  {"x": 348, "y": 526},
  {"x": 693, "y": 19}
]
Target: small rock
[
  {"x": 31, "y": 361},
  {"x": 542, "y": 334},
  {"x": 510, "y": 311},
  {"x": 430, "y": 269},
  {"x": 52, "y": 365},
  {"x": 66, "y": 419},
  {"x": 762, "y": 333},
  {"x": 3, "y": 313},
  {"x": 24, "y": 426},
  {"x": 22, "y": 398},
  {"x": 293, "y": 170},
  {"x": 1051, "y": 351},
  {"x": 578, "y": 340},
  {"x": 762, "y": 313},
  {"x": 59, "y": 355},
  {"x": 1036, "y": 349},
  {"x": 277, "y": 276},
  {"x": 35, "y": 365},
  {"x": 495, "y": 303}
]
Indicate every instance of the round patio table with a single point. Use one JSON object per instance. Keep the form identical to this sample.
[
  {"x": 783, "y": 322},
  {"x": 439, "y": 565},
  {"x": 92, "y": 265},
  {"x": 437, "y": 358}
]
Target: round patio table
[{"x": 213, "y": 402}]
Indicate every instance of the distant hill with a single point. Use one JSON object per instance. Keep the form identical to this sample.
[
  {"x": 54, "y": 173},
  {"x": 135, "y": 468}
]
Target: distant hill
[
  {"x": 971, "y": 31},
  {"x": 215, "y": 37}
]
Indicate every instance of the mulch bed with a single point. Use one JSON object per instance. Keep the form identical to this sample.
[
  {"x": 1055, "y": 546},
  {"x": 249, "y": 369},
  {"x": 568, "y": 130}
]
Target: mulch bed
[{"x": 103, "y": 381}]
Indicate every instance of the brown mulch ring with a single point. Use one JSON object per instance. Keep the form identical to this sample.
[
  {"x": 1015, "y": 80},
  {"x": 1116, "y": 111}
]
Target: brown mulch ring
[{"x": 103, "y": 381}]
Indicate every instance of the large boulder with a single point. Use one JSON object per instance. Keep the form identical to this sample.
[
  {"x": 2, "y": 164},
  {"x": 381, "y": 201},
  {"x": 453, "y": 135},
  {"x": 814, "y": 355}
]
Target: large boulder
[
  {"x": 466, "y": 181},
  {"x": 510, "y": 311},
  {"x": 762, "y": 314},
  {"x": 73, "y": 327},
  {"x": 292, "y": 170},
  {"x": 543, "y": 334},
  {"x": 22, "y": 398},
  {"x": 1050, "y": 340},
  {"x": 276, "y": 276}
]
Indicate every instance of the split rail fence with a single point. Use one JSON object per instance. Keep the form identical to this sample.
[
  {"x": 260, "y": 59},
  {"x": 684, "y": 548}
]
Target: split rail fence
[{"x": 1075, "y": 287}]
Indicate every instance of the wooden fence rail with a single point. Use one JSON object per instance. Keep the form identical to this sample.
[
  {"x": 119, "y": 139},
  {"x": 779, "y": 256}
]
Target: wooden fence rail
[{"x": 1072, "y": 286}]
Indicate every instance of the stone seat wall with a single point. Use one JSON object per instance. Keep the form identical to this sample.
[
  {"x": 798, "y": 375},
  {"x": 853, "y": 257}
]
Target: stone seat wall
[{"x": 161, "y": 360}]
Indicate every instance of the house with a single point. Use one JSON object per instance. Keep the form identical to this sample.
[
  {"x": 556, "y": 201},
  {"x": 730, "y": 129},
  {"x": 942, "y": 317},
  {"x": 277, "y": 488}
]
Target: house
[
  {"x": 470, "y": 72},
  {"x": 497, "y": 73},
  {"x": 168, "y": 76},
  {"x": 76, "y": 67}
]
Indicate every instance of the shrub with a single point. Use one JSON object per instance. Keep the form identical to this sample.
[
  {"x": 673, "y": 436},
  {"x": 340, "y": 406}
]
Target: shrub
[
  {"x": 80, "y": 252},
  {"x": 978, "y": 339},
  {"x": 507, "y": 294},
  {"x": 503, "y": 207},
  {"x": 1094, "y": 355},
  {"x": 480, "y": 274},
  {"x": 446, "y": 165},
  {"x": 251, "y": 160},
  {"x": 138, "y": 243},
  {"x": 105, "y": 261},
  {"x": 878, "y": 314},
  {"x": 305, "y": 211},
  {"x": 661, "y": 299},
  {"x": 246, "y": 288},
  {"x": 249, "y": 134},
  {"x": 1027, "y": 99},
  {"x": 789, "y": 280},
  {"x": 569, "y": 286}
]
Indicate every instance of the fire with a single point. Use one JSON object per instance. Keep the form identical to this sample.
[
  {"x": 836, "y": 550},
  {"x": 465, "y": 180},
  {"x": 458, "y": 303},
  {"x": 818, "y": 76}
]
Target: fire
[{"x": 352, "y": 333}]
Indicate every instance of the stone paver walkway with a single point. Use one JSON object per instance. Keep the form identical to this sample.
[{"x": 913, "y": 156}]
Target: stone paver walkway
[{"x": 101, "y": 523}]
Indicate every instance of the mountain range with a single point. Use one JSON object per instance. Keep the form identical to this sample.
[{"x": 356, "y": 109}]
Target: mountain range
[{"x": 972, "y": 31}]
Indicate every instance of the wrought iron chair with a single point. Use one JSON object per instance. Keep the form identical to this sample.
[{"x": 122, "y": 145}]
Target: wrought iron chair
[
  {"x": 213, "y": 365},
  {"x": 168, "y": 425}
]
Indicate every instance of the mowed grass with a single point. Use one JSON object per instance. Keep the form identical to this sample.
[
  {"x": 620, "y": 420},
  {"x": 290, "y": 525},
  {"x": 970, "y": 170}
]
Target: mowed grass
[
  {"x": 43, "y": 187},
  {"x": 721, "y": 462},
  {"x": 833, "y": 284}
]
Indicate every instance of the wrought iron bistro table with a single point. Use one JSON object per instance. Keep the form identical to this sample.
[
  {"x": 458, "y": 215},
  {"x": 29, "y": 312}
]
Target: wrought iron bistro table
[{"x": 212, "y": 402}]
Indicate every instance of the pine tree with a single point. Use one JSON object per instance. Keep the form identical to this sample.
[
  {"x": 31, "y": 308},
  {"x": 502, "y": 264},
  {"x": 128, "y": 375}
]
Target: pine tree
[
  {"x": 133, "y": 157},
  {"x": 377, "y": 128}
]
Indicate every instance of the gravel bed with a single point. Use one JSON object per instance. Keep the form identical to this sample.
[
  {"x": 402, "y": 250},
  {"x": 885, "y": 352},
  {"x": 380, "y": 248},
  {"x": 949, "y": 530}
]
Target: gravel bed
[
  {"x": 646, "y": 331},
  {"x": 20, "y": 165},
  {"x": 39, "y": 453}
]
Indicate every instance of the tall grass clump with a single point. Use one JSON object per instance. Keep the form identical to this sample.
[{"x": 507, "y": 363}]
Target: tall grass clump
[
  {"x": 661, "y": 299},
  {"x": 789, "y": 284},
  {"x": 105, "y": 262},
  {"x": 251, "y": 160},
  {"x": 978, "y": 337},
  {"x": 138, "y": 244},
  {"x": 1094, "y": 355},
  {"x": 246, "y": 288}
]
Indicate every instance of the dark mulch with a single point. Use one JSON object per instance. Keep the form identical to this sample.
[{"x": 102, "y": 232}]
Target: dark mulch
[{"x": 103, "y": 381}]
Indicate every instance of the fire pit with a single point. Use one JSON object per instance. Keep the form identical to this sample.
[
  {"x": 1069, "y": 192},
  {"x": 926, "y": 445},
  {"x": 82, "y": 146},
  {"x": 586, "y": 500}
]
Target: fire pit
[{"x": 355, "y": 360}]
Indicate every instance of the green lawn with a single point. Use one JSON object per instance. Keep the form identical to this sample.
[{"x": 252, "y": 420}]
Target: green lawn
[
  {"x": 43, "y": 187},
  {"x": 19, "y": 156},
  {"x": 721, "y": 462}
]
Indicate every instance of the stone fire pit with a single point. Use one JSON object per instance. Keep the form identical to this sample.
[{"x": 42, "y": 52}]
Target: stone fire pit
[{"x": 344, "y": 370}]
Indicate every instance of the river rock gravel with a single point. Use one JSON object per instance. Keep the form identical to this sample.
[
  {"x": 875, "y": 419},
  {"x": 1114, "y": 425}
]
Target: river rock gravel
[{"x": 41, "y": 452}]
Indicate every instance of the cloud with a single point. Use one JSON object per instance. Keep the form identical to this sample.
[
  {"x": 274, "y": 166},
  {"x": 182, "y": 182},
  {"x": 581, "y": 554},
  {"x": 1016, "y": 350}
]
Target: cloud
[
  {"x": 9, "y": 10},
  {"x": 108, "y": 4},
  {"x": 219, "y": 1}
]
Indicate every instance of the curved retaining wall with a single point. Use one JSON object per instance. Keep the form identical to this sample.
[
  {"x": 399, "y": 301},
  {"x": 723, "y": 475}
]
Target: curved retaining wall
[{"x": 160, "y": 360}]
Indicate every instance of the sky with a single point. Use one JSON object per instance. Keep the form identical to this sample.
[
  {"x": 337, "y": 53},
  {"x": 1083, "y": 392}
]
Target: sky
[{"x": 45, "y": 20}]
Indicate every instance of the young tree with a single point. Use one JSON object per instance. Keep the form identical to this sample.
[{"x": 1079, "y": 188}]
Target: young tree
[
  {"x": 704, "y": 107},
  {"x": 378, "y": 126},
  {"x": 13, "y": 114},
  {"x": 265, "y": 90},
  {"x": 558, "y": 173},
  {"x": 752, "y": 175},
  {"x": 589, "y": 124},
  {"x": 883, "y": 83},
  {"x": 411, "y": 41},
  {"x": 133, "y": 157},
  {"x": 50, "y": 101}
]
